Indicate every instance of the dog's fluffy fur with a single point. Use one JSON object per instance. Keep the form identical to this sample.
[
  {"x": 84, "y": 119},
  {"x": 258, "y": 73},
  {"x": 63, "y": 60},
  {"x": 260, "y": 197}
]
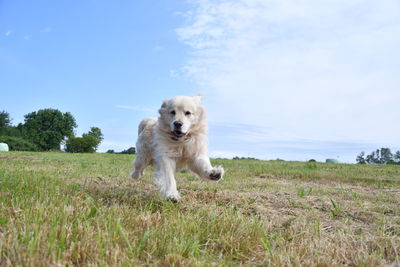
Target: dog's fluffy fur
[{"x": 175, "y": 140}]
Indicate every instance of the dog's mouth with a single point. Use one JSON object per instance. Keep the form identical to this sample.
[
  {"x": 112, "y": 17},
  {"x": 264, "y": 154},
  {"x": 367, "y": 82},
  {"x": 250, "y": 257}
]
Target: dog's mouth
[{"x": 178, "y": 133}]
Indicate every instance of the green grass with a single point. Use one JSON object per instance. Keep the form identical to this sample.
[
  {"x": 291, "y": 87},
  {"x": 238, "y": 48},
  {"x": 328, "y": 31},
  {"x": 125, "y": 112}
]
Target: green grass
[{"x": 83, "y": 209}]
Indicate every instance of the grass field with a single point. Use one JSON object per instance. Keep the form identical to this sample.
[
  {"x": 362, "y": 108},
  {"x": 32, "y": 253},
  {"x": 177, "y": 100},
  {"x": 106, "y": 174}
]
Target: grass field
[{"x": 83, "y": 209}]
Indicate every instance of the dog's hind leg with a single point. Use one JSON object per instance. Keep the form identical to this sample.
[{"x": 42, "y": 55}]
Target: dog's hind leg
[{"x": 140, "y": 164}]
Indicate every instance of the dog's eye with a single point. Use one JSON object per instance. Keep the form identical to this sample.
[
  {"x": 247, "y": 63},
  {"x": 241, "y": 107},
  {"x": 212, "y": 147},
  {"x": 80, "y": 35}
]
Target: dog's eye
[
  {"x": 173, "y": 112},
  {"x": 187, "y": 113}
]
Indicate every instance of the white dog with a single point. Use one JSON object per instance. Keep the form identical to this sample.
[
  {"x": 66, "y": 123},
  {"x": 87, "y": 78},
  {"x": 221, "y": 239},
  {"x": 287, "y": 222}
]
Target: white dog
[{"x": 177, "y": 139}]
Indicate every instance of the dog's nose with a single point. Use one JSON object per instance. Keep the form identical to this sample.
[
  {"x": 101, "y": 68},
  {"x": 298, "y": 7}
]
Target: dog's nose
[{"x": 178, "y": 124}]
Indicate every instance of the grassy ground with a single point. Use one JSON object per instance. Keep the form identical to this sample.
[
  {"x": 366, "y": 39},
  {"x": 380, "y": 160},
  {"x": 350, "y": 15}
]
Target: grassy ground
[{"x": 76, "y": 209}]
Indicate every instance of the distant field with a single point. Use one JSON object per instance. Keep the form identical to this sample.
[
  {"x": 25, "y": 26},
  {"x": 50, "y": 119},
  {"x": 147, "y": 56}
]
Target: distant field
[{"x": 83, "y": 209}]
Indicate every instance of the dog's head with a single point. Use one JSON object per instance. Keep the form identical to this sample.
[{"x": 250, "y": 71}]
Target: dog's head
[{"x": 182, "y": 115}]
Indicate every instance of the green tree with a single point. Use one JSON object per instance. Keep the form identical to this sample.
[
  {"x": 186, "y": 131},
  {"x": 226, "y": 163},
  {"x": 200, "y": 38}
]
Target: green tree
[
  {"x": 386, "y": 156},
  {"x": 372, "y": 158},
  {"x": 81, "y": 144},
  {"x": 17, "y": 143},
  {"x": 379, "y": 156},
  {"x": 47, "y": 128},
  {"x": 12, "y": 131},
  {"x": 88, "y": 143},
  {"x": 6, "y": 129},
  {"x": 397, "y": 156},
  {"x": 360, "y": 158},
  {"x": 5, "y": 121},
  {"x": 95, "y": 132},
  {"x": 130, "y": 150}
]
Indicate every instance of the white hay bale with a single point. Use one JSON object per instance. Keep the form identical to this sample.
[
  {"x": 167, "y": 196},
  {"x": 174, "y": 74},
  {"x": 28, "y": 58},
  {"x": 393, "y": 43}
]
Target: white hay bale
[{"x": 3, "y": 147}]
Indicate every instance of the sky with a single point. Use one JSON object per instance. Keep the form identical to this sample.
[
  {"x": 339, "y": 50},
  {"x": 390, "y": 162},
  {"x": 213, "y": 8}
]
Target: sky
[{"x": 288, "y": 79}]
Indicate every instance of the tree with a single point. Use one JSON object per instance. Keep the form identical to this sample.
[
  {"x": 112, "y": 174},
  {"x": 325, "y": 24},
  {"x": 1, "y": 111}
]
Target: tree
[
  {"x": 81, "y": 144},
  {"x": 95, "y": 132},
  {"x": 130, "y": 150},
  {"x": 88, "y": 143},
  {"x": 360, "y": 158},
  {"x": 371, "y": 158},
  {"x": 6, "y": 129},
  {"x": 11, "y": 131},
  {"x": 47, "y": 128},
  {"x": 386, "y": 156},
  {"x": 379, "y": 156},
  {"x": 397, "y": 156},
  {"x": 17, "y": 143},
  {"x": 97, "y": 136},
  {"x": 5, "y": 121}
]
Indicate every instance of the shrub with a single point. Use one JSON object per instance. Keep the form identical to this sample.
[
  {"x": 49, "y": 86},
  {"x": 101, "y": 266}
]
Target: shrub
[
  {"x": 331, "y": 161},
  {"x": 18, "y": 144},
  {"x": 130, "y": 150},
  {"x": 86, "y": 144}
]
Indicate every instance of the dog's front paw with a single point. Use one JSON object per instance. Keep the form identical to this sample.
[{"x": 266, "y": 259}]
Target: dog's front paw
[
  {"x": 174, "y": 198},
  {"x": 135, "y": 175},
  {"x": 217, "y": 173}
]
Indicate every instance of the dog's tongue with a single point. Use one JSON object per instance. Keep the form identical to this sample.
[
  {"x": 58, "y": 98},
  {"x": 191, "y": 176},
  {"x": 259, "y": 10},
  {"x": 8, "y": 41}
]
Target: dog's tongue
[{"x": 178, "y": 133}]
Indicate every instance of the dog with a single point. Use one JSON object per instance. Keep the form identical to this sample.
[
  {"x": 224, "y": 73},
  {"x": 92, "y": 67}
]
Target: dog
[{"x": 177, "y": 139}]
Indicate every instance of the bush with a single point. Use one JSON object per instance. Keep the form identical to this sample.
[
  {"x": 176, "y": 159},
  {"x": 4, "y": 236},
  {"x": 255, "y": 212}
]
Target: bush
[
  {"x": 11, "y": 131},
  {"x": 331, "y": 161},
  {"x": 311, "y": 164},
  {"x": 18, "y": 144},
  {"x": 130, "y": 150},
  {"x": 85, "y": 144},
  {"x": 88, "y": 143}
]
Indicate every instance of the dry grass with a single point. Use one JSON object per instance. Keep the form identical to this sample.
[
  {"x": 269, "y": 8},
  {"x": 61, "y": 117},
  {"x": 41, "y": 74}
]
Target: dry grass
[{"x": 84, "y": 210}]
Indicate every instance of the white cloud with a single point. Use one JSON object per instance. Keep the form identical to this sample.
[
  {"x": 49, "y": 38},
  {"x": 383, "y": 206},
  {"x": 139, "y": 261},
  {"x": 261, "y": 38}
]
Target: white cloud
[
  {"x": 46, "y": 30},
  {"x": 137, "y": 108},
  {"x": 158, "y": 48},
  {"x": 308, "y": 69},
  {"x": 8, "y": 33},
  {"x": 173, "y": 73},
  {"x": 224, "y": 154}
]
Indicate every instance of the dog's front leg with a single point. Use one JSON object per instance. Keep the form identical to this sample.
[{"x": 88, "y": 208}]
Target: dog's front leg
[
  {"x": 201, "y": 165},
  {"x": 165, "y": 178}
]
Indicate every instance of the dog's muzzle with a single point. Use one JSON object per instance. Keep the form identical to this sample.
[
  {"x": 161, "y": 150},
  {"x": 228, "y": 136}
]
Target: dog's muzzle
[{"x": 177, "y": 132}]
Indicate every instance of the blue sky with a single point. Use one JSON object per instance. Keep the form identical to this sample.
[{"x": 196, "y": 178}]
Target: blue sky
[{"x": 281, "y": 79}]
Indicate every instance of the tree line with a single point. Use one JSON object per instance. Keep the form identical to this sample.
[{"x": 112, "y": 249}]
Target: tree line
[
  {"x": 130, "y": 151},
  {"x": 379, "y": 156},
  {"x": 47, "y": 130}
]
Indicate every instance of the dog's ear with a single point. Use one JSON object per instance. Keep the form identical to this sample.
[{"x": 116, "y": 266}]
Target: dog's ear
[
  {"x": 201, "y": 113},
  {"x": 198, "y": 98},
  {"x": 163, "y": 107}
]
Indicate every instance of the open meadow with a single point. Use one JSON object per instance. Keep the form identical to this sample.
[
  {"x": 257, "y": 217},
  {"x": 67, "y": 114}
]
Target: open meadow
[{"x": 84, "y": 210}]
